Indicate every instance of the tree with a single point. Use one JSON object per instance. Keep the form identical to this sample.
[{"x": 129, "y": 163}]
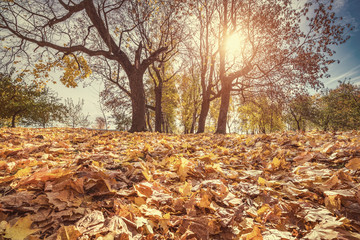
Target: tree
[
  {"x": 100, "y": 122},
  {"x": 118, "y": 104},
  {"x": 261, "y": 115},
  {"x": 165, "y": 95},
  {"x": 299, "y": 112},
  {"x": 189, "y": 100},
  {"x": 46, "y": 109},
  {"x": 275, "y": 53},
  {"x": 17, "y": 98},
  {"x": 73, "y": 114},
  {"x": 118, "y": 31},
  {"x": 339, "y": 108},
  {"x": 205, "y": 12}
]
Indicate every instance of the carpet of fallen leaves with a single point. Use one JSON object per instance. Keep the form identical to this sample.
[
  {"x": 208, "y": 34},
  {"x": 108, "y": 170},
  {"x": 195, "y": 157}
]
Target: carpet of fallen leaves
[{"x": 83, "y": 184}]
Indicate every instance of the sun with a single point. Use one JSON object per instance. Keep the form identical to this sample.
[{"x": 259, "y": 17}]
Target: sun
[
  {"x": 237, "y": 47},
  {"x": 234, "y": 43}
]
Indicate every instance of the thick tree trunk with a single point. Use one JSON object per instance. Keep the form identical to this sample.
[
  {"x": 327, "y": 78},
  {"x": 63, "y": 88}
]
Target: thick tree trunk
[
  {"x": 224, "y": 108},
  {"x": 138, "y": 122},
  {"x": 205, "y": 106},
  {"x": 158, "y": 108}
]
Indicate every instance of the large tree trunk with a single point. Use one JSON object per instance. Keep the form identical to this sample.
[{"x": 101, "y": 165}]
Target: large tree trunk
[
  {"x": 138, "y": 122},
  {"x": 205, "y": 106},
  {"x": 158, "y": 108},
  {"x": 224, "y": 108}
]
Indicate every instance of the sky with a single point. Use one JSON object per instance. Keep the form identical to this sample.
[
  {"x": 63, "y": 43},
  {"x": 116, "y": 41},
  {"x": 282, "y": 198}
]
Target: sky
[
  {"x": 349, "y": 52},
  {"x": 348, "y": 68}
]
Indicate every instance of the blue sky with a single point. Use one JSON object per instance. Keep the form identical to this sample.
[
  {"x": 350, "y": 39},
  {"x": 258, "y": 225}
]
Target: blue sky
[{"x": 348, "y": 53}]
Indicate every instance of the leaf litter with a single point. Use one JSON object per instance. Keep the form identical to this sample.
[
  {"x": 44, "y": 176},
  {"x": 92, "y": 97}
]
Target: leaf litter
[{"x": 81, "y": 184}]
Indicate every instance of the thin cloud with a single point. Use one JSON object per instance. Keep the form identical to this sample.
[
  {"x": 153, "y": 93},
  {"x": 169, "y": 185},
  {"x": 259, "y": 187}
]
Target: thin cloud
[
  {"x": 339, "y": 5},
  {"x": 349, "y": 74}
]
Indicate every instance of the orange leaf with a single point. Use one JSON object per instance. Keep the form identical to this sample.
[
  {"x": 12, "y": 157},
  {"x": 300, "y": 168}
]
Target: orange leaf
[
  {"x": 353, "y": 164},
  {"x": 255, "y": 234}
]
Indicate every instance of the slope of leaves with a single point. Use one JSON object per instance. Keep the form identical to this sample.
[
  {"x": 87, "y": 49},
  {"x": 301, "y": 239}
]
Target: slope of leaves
[{"x": 82, "y": 184}]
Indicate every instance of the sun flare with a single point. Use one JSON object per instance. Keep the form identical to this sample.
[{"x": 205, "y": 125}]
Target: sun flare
[{"x": 234, "y": 43}]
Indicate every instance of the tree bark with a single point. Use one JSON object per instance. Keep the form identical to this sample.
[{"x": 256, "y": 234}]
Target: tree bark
[
  {"x": 205, "y": 106},
  {"x": 224, "y": 108},
  {"x": 138, "y": 123},
  {"x": 158, "y": 107}
]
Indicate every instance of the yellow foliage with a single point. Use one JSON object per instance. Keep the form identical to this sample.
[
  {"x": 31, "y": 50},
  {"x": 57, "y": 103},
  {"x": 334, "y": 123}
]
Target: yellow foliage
[{"x": 74, "y": 67}]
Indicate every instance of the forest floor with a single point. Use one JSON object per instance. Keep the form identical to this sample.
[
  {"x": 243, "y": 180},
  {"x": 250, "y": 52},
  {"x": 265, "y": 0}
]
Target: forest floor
[{"x": 61, "y": 183}]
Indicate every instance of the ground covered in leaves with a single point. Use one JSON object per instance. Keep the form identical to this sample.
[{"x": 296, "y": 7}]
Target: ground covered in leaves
[{"x": 83, "y": 184}]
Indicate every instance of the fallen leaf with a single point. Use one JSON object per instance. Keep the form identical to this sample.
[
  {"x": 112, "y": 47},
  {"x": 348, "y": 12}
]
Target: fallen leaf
[
  {"x": 68, "y": 233},
  {"x": 353, "y": 164},
  {"x": 254, "y": 235},
  {"x": 21, "y": 229},
  {"x": 23, "y": 172}
]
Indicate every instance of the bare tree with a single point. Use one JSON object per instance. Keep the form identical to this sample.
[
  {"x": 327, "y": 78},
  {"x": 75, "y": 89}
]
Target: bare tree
[
  {"x": 73, "y": 115},
  {"x": 100, "y": 29},
  {"x": 101, "y": 123}
]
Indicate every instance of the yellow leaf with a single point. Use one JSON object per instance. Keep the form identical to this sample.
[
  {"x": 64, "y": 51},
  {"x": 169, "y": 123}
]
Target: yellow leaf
[
  {"x": 20, "y": 230},
  {"x": 68, "y": 233},
  {"x": 262, "y": 181},
  {"x": 333, "y": 202},
  {"x": 184, "y": 168},
  {"x": 263, "y": 209},
  {"x": 23, "y": 172},
  {"x": 167, "y": 216},
  {"x": 148, "y": 148},
  {"x": 97, "y": 164},
  {"x": 186, "y": 189},
  {"x": 205, "y": 200},
  {"x": 277, "y": 163}
]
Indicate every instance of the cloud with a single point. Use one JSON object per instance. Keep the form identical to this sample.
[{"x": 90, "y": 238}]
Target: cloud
[
  {"x": 339, "y": 5},
  {"x": 353, "y": 73}
]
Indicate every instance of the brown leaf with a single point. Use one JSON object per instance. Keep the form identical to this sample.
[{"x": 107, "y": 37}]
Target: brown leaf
[
  {"x": 353, "y": 164},
  {"x": 304, "y": 157}
]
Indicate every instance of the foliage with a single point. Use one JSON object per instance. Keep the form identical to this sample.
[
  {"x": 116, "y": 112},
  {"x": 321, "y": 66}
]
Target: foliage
[
  {"x": 122, "y": 119},
  {"x": 17, "y": 98},
  {"x": 116, "y": 185},
  {"x": 341, "y": 108},
  {"x": 336, "y": 109},
  {"x": 299, "y": 112},
  {"x": 261, "y": 115},
  {"x": 189, "y": 100},
  {"x": 74, "y": 67},
  {"x": 73, "y": 115},
  {"x": 46, "y": 110}
]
